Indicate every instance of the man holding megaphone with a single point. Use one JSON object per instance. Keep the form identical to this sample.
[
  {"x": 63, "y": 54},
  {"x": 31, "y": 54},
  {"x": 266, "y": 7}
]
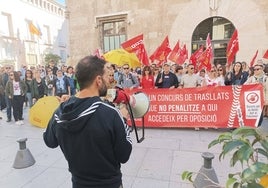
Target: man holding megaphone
[{"x": 91, "y": 134}]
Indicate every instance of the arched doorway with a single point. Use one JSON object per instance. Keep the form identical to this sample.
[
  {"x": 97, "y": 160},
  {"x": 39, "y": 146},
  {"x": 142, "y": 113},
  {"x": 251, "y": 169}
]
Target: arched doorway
[{"x": 221, "y": 30}]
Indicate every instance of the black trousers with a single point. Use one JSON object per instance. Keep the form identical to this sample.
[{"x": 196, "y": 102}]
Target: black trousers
[{"x": 17, "y": 105}]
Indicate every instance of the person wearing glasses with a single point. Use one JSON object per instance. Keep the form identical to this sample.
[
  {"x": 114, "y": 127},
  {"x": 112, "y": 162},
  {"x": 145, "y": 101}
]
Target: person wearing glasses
[
  {"x": 221, "y": 72},
  {"x": 211, "y": 78},
  {"x": 190, "y": 80},
  {"x": 127, "y": 79},
  {"x": 15, "y": 91},
  {"x": 259, "y": 77}
]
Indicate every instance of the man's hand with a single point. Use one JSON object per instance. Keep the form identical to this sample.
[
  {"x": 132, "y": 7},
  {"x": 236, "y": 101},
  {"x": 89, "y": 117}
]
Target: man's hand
[
  {"x": 124, "y": 111},
  {"x": 63, "y": 98}
]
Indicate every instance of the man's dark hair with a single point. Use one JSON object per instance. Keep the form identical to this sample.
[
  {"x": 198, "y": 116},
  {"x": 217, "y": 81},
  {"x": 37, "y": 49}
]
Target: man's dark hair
[
  {"x": 16, "y": 76},
  {"x": 88, "y": 69}
]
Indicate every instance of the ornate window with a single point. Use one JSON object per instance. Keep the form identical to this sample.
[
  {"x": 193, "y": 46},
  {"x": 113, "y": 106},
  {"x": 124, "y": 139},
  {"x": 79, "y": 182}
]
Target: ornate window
[
  {"x": 112, "y": 31},
  {"x": 6, "y": 25}
]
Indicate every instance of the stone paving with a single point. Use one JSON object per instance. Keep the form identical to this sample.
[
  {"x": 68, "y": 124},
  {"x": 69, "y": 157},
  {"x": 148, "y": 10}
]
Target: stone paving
[{"x": 157, "y": 162}]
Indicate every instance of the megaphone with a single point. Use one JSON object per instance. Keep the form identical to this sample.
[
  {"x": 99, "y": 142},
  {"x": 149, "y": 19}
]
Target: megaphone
[
  {"x": 139, "y": 101},
  {"x": 138, "y": 105}
]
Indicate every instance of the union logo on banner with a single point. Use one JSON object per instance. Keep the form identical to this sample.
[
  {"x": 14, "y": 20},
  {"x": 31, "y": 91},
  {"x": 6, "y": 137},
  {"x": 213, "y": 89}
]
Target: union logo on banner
[{"x": 252, "y": 104}]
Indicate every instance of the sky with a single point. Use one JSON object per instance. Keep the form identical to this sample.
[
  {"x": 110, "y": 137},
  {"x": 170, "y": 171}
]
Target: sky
[{"x": 61, "y": 2}]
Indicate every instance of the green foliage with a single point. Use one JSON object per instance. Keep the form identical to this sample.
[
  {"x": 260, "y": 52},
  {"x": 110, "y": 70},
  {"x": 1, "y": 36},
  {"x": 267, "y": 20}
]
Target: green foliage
[
  {"x": 186, "y": 175},
  {"x": 245, "y": 145},
  {"x": 49, "y": 57}
]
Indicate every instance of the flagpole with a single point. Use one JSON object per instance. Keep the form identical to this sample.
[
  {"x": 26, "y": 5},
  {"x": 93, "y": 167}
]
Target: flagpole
[{"x": 38, "y": 52}]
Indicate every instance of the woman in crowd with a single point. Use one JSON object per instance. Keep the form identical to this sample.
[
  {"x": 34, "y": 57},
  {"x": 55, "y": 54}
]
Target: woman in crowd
[
  {"x": 211, "y": 78},
  {"x": 147, "y": 79},
  {"x": 221, "y": 71},
  {"x": 15, "y": 91},
  {"x": 28, "y": 82},
  {"x": 237, "y": 76},
  {"x": 39, "y": 87}
]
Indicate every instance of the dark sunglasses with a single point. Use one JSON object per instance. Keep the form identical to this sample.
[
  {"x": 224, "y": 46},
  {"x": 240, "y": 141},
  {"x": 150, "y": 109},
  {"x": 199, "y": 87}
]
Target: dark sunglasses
[{"x": 126, "y": 68}]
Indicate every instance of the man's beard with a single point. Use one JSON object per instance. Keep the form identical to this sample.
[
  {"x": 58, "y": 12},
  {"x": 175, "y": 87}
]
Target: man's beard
[{"x": 103, "y": 89}]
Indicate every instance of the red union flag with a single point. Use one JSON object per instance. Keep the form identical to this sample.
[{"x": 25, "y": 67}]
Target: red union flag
[
  {"x": 136, "y": 45},
  {"x": 175, "y": 53},
  {"x": 196, "y": 54},
  {"x": 253, "y": 59},
  {"x": 232, "y": 48},
  {"x": 207, "y": 55},
  {"x": 97, "y": 53},
  {"x": 265, "y": 55},
  {"x": 142, "y": 55},
  {"x": 161, "y": 52},
  {"x": 183, "y": 55}
]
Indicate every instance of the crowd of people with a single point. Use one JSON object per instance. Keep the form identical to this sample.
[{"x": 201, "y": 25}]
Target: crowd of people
[
  {"x": 24, "y": 87},
  {"x": 94, "y": 136},
  {"x": 172, "y": 76}
]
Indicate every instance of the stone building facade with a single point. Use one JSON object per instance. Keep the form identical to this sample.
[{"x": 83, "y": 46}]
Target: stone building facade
[
  {"x": 18, "y": 45},
  {"x": 96, "y": 24}
]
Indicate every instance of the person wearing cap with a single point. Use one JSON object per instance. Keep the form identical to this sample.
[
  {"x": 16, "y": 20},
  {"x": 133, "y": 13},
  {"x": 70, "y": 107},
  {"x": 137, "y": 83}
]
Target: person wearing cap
[
  {"x": 259, "y": 77},
  {"x": 166, "y": 79}
]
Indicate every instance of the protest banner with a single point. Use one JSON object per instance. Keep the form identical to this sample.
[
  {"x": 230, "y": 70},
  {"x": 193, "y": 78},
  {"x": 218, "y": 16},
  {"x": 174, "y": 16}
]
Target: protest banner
[{"x": 215, "y": 107}]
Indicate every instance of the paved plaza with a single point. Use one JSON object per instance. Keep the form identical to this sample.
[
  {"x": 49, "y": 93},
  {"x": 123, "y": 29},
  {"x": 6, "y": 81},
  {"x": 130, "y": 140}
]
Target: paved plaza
[{"x": 157, "y": 162}]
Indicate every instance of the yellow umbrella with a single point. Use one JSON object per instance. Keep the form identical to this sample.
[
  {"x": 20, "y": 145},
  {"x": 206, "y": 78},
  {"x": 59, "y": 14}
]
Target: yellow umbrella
[
  {"x": 121, "y": 56},
  {"x": 42, "y": 111}
]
